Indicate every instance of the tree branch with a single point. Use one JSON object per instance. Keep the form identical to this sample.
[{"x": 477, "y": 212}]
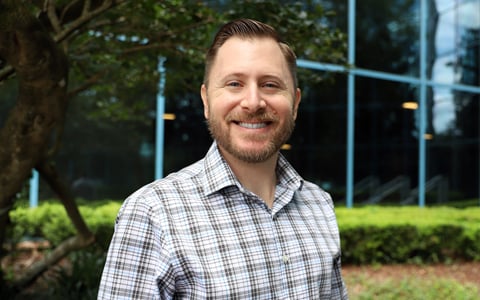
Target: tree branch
[
  {"x": 67, "y": 8},
  {"x": 6, "y": 72},
  {"x": 88, "y": 83},
  {"x": 83, "y": 238},
  {"x": 86, "y": 7},
  {"x": 52, "y": 16},
  {"x": 85, "y": 18},
  {"x": 42, "y": 73},
  {"x": 49, "y": 174},
  {"x": 52, "y": 258}
]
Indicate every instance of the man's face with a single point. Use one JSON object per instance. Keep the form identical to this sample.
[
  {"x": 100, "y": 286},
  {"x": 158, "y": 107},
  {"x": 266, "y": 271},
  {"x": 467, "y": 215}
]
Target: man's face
[{"x": 250, "y": 102}]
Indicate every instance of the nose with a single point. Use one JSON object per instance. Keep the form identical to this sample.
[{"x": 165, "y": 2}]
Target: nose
[{"x": 253, "y": 100}]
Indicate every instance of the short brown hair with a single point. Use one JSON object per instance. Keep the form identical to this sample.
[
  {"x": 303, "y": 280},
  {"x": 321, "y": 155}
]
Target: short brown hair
[{"x": 245, "y": 29}]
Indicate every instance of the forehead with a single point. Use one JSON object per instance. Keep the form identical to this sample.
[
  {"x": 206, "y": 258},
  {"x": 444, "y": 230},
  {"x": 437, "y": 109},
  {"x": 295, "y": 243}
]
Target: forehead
[{"x": 250, "y": 55}]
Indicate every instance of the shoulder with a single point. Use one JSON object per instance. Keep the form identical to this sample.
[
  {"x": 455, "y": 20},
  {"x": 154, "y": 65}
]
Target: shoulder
[
  {"x": 172, "y": 190},
  {"x": 314, "y": 201},
  {"x": 311, "y": 192}
]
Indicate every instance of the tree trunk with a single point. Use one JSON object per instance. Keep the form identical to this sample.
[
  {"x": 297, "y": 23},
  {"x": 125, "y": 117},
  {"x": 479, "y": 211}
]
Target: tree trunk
[
  {"x": 31, "y": 132},
  {"x": 49, "y": 173},
  {"x": 33, "y": 125}
]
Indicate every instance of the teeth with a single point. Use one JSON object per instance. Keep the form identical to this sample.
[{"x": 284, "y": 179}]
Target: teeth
[{"x": 252, "y": 125}]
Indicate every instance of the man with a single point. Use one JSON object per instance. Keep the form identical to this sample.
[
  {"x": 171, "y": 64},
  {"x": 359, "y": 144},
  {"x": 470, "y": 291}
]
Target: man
[{"x": 240, "y": 223}]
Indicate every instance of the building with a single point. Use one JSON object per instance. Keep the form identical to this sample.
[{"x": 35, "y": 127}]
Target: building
[{"x": 401, "y": 125}]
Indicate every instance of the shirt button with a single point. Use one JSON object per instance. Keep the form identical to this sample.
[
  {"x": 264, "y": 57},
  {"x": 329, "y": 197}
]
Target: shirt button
[{"x": 285, "y": 259}]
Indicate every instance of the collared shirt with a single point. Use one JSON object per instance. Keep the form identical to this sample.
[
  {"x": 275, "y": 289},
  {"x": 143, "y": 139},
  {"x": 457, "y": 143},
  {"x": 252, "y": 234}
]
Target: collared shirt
[{"x": 198, "y": 234}]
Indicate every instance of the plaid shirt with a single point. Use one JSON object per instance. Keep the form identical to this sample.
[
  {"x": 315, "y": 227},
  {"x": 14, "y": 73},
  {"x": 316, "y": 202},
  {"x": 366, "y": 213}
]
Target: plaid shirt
[{"x": 198, "y": 234}]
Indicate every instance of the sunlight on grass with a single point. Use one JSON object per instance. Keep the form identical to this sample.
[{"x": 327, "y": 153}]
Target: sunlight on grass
[{"x": 361, "y": 287}]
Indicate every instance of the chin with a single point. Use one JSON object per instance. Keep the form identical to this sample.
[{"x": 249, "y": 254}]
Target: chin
[{"x": 254, "y": 154}]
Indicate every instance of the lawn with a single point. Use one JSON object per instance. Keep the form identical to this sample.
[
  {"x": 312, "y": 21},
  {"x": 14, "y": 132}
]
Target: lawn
[{"x": 414, "y": 282}]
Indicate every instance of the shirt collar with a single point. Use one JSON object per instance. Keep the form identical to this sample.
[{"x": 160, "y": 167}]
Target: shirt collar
[
  {"x": 219, "y": 175},
  {"x": 287, "y": 175},
  {"x": 217, "y": 172}
]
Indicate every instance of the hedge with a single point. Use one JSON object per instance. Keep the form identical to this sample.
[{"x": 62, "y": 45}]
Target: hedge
[
  {"x": 376, "y": 234},
  {"x": 50, "y": 221},
  {"x": 369, "y": 235}
]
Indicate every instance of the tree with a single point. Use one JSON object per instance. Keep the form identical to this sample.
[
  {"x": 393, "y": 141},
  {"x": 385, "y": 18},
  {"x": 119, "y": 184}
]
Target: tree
[{"x": 58, "y": 50}]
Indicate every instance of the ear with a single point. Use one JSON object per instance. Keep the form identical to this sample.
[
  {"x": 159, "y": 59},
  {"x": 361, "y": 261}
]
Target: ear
[
  {"x": 203, "y": 94},
  {"x": 298, "y": 97}
]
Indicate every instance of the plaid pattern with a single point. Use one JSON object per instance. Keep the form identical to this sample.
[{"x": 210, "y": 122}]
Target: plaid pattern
[{"x": 198, "y": 234}]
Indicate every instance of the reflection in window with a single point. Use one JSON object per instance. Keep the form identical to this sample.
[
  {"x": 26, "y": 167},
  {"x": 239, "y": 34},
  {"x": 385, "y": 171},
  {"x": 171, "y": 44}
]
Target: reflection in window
[{"x": 456, "y": 41}]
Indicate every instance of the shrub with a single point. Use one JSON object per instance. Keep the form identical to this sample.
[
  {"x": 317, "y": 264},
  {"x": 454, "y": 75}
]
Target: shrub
[
  {"x": 80, "y": 280},
  {"x": 409, "y": 234},
  {"x": 369, "y": 235},
  {"x": 50, "y": 221}
]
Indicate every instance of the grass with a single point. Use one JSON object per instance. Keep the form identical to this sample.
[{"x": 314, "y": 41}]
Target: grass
[{"x": 362, "y": 287}]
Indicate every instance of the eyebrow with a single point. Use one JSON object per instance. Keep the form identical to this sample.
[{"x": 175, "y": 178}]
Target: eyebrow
[{"x": 262, "y": 77}]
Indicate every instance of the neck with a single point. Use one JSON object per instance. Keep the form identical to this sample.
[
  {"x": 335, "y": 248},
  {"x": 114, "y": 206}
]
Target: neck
[{"x": 259, "y": 178}]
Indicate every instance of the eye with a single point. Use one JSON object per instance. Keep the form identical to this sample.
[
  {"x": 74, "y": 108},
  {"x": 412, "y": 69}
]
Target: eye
[
  {"x": 270, "y": 85},
  {"x": 233, "y": 84}
]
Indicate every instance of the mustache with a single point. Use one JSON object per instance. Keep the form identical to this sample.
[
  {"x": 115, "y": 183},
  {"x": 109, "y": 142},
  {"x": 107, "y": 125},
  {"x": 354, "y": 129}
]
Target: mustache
[{"x": 256, "y": 116}]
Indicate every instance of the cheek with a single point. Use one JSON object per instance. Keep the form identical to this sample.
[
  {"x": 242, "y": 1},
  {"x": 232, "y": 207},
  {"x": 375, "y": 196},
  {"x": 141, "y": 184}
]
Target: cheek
[
  {"x": 221, "y": 107},
  {"x": 286, "y": 111}
]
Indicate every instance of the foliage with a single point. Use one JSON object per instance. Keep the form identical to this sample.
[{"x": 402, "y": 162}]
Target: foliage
[
  {"x": 113, "y": 50},
  {"x": 124, "y": 47},
  {"x": 114, "y": 75},
  {"x": 50, "y": 221},
  {"x": 77, "y": 278},
  {"x": 409, "y": 234},
  {"x": 80, "y": 279},
  {"x": 368, "y": 235},
  {"x": 113, "y": 58},
  {"x": 408, "y": 215}
]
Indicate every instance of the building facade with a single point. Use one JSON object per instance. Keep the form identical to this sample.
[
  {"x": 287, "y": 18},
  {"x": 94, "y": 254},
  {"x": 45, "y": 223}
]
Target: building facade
[
  {"x": 399, "y": 124},
  {"x": 412, "y": 102}
]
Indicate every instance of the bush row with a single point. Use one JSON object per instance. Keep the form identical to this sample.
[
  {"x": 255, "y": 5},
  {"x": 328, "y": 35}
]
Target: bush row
[
  {"x": 409, "y": 234},
  {"x": 50, "y": 221},
  {"x": 368, "y": 235}
]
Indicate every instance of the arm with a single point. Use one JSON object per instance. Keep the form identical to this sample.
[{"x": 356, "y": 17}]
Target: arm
[
  {"x": 137, "y": 265},
  {"x": 339, "y": 290}
]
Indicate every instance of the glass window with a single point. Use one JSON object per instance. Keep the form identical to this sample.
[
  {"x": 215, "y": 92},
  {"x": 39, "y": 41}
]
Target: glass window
[
  {"x": 454, "y": 151},
  {"x": 186, "y": 138},
  {"x": 456, "y": 42},
  {"x": 101, "y": 157},
  {"x": 387, "y": 34},
  {"x": 386, "y": 141},
  {"x": 110, "y": 159},
  {"x": 443, "y": 111},
  {"x": 318, "y": 143}
]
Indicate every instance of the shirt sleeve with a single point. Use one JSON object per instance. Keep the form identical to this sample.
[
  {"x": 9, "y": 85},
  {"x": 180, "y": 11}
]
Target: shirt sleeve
[
  {"x": 339, "y": 289},
  {"x": 137, "y": 265}
]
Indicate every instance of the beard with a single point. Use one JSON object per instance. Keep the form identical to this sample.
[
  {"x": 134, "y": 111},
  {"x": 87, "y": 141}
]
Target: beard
[{"x": 276, "y": 139}]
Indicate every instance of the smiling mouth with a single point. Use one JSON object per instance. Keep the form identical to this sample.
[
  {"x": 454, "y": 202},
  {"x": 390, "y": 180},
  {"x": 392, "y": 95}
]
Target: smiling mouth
[{"x": 253, "y": 125}]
